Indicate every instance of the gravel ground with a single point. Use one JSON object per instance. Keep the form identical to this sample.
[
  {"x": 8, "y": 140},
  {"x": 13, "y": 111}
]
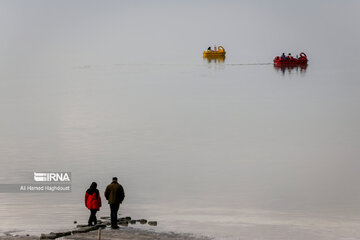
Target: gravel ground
[
  {"x": 131, "y": 233},
  {"x": 124, "y": 233}
]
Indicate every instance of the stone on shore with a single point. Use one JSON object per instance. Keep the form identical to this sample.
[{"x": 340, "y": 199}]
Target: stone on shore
[
  {"x": 54, "y": 235},
  {"x": 152, "y": 223},
  {"x": 123, "y": 223},
  {"x": 134, "y": 234},
  {"x": 142, "y": 221},
  {"x": 88, "y": 229},
  {"x": 82, "y": 225}
]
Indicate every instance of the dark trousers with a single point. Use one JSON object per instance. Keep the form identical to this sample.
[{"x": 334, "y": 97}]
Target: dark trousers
[
  {"x": 114, "y": 207},
  {"x": 92, "y": 218}
]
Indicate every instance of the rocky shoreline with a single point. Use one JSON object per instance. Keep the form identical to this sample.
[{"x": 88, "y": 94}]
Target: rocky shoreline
[{"x": 103, "y": 231}]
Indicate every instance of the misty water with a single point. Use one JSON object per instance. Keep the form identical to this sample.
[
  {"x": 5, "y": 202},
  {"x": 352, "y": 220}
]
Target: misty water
[{"x": 236, "y": 149}]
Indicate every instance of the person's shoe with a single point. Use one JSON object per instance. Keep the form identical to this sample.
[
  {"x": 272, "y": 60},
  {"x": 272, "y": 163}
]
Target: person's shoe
[{"x": 115, "y": 227}]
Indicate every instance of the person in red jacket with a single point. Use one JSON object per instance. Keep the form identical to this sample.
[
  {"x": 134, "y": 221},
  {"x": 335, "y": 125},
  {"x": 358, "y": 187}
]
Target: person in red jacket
[{"x": 92, "y": 202}]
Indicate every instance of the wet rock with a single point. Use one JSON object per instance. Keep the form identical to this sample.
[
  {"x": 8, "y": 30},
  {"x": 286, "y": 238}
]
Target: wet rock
[
  {"x": 84, "y": 229},
  {"x": 54, "y": 235},
  {"x": 88, "y": 229},
  {"x": 123, "y": 223},
  {"x": 101, "y": 225},
  {"x": 105, "y": 218},
  {"x": 142, "y": 221},
  {"x": 128, "y": 218},
  {"x": 133, "y": 221},
  {"x": 152, "y": 223},
  {"x": 75, "y": 222},
  {"x": 81, "y": 225}
]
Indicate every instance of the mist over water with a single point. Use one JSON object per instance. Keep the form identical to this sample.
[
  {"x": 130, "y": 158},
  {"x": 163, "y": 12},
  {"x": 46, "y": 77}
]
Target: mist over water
[{"x": 232, "y": 149}]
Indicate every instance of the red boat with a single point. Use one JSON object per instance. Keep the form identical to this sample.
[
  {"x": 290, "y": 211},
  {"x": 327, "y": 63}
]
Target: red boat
[{"x": 289, "y": 60}]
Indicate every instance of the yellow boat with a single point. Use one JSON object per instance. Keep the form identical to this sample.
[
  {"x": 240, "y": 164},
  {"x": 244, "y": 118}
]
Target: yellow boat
[
  {"x": 210, "y": 53},
  {"x": 214, "y": 58}
]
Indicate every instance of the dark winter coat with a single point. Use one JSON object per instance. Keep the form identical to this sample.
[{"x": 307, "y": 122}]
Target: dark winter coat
[{"x": 114, "y": 193}]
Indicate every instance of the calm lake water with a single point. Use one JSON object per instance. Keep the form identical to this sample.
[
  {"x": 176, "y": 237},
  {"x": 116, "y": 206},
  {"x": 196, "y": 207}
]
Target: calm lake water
[
  {"x": 228, "y": 150},
  {"x": 232, "y": 150}
]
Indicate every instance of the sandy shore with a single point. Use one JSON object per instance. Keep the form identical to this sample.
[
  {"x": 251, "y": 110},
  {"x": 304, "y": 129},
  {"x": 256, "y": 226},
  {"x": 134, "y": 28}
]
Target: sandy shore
[
  {"x": 127, "y": 233},
  {"x": 124, "y": 233},
  {"x": 103, "y": 227},
  {"x": 19, "y": 237}
]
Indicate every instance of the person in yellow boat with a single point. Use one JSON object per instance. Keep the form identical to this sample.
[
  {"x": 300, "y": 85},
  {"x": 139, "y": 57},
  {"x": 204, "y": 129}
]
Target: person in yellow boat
[{"x": 209, "y": 49}]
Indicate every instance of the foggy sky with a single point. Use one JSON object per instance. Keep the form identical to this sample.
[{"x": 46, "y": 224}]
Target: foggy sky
[{"x": 68, "y": 33}]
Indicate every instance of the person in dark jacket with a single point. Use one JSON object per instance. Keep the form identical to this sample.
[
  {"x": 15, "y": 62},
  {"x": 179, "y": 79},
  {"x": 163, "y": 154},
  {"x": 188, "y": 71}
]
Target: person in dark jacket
[
  {"x": 92, "y": 202},
  {"x": 114, "y": 193},
  {"x": 284, "y": 57}
]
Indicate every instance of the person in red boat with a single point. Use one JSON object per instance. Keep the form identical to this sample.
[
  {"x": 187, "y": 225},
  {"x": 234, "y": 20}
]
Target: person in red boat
[
  {"x": 282, "y": 60},
  {"x": 284, "y": 57},
  {"x": 92, "y": 202}
]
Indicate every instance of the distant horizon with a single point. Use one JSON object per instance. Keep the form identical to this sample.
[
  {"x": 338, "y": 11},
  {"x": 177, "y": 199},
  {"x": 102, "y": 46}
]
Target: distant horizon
[{"x": 50, "y": 34}]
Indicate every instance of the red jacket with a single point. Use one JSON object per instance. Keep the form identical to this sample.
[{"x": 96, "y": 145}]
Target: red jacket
[{"x": 92, "y": 200}]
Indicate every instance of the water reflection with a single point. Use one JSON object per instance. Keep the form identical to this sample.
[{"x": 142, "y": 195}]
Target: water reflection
[
  {"x": 215, "y": 62},
  {"x": 290, "y": 69},
  {"x": 214, "y": 59}
]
